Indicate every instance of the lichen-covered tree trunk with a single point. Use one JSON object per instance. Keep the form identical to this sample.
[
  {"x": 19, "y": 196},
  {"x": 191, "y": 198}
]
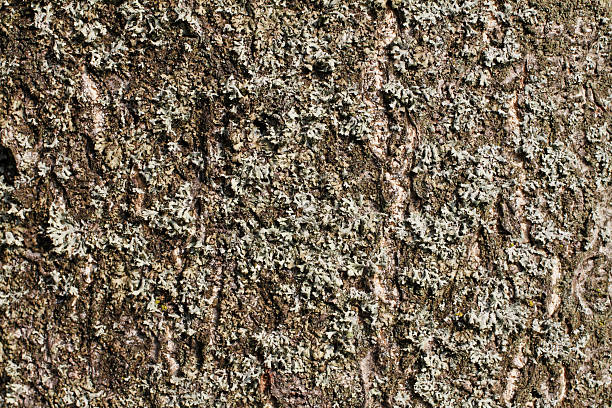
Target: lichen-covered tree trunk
[{"x": 322, "y": 203}]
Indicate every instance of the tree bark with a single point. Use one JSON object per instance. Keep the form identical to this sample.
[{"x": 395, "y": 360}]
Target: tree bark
[{"x": 323, "y": 203}]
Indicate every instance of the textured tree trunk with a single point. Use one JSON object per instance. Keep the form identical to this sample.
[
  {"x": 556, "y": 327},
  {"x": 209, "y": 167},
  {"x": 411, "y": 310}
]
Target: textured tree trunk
[{"x": 324, "y": 203}]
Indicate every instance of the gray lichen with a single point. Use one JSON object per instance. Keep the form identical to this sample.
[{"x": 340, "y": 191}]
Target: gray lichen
[{"x": 334, "y": 203}]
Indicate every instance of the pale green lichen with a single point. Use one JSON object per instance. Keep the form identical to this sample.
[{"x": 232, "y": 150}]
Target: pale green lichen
[{"x": 327, "y": 203}]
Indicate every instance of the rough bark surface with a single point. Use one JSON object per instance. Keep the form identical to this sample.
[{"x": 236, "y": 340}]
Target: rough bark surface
[{"x": 323, "y": 203}]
